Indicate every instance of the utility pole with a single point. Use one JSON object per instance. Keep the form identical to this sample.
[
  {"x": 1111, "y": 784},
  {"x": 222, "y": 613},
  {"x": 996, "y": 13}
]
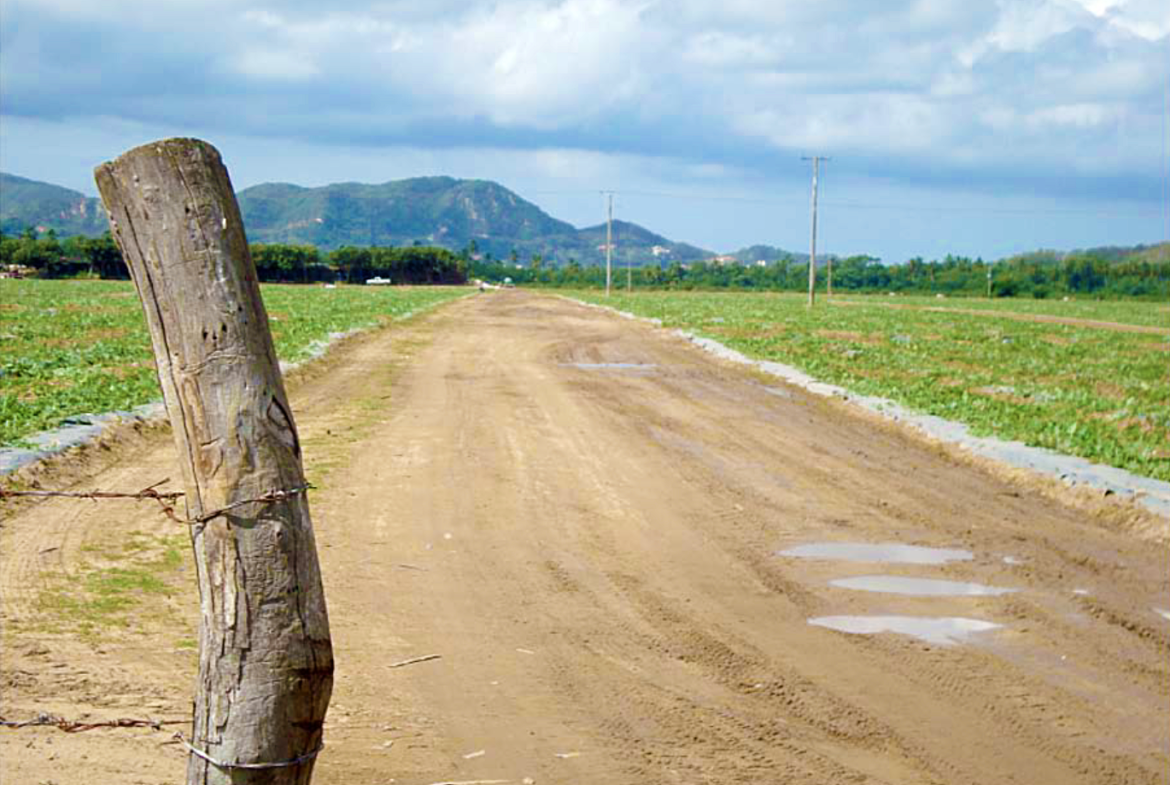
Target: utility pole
[
  {"x": 629, "y": 275},
  {"x": 1166, "y": 160},
  {"x": 812, "y": 256},
  {"x": 609, "y": 244}
]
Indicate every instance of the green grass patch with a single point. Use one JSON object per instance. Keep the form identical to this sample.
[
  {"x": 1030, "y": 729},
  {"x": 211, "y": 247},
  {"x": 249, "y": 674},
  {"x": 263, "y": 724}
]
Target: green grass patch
[
  {"x": 1097, "y": 393},
  {"x": 120, "y": 585},
  {"x": 1141, "y": 313},
  {"x": 81, "y": 347}
]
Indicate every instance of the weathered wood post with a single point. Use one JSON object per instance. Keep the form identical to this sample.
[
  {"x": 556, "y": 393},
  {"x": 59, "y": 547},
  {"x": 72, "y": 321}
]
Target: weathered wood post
[{"x": 265, "y": 655}]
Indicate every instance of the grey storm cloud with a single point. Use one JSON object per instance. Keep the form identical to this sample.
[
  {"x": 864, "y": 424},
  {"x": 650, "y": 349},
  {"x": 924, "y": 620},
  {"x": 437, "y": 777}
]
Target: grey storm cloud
[{"x": 924, "y": 90}]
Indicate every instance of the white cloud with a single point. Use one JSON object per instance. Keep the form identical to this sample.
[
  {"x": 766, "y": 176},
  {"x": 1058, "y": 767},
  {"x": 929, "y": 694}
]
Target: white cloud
[
  {"x": 1074, "y": 115},
  {"x": 1025, "y": 25},
  {"x": 535, "y": 64},
  {"x": 725, "y": 50},
  {"x": 1149, "y": 19},
  {"x": 912, "y": 85},
  {"x": 274, "y": 64},
  {"x": 887, "y": 122}
]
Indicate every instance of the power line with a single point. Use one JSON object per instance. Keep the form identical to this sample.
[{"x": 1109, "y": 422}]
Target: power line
[
  {"x": 997, "y": 211},
  {"x": 661, "y": 194}
]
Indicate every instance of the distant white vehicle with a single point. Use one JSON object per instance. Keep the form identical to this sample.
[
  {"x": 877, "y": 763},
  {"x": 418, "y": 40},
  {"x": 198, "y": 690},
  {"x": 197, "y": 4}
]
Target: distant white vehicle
[{"x": 377, "y": 280}]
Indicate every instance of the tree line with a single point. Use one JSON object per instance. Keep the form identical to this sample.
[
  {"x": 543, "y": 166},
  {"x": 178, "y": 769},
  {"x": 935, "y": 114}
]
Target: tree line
[
  {"x": 1099, "y": 273},
  {"x": 51, "y": 257},
  {"x": 1038, "y": 275}
]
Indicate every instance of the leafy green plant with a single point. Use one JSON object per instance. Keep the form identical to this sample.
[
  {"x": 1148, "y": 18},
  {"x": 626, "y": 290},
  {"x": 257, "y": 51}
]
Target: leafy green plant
[{"x": 78, "y": 347}]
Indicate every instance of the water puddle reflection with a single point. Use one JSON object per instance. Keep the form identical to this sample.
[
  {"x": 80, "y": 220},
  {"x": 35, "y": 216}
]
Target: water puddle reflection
[
  {"x": 941, "y": 630},
  {"x": 889, "y": 552},
  {"x": 918, "y": 587}
]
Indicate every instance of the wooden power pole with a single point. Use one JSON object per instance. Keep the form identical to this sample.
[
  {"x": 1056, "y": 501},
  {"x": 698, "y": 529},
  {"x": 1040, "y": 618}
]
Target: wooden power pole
[
  {"x": 629, "y": 275},
  {"x": 812, "y": 255},
  {"x": 609, "y": 244},
  {"x": 265, "y": 654}
]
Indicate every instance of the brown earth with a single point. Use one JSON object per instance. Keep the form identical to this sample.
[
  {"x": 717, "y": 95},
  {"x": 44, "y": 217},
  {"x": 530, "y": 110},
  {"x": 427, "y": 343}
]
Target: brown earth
[{"x": 592, "y": 552}]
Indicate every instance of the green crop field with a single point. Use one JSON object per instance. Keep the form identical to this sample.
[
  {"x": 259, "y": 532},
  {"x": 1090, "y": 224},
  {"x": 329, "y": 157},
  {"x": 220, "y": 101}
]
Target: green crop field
[
  {"x": 1149, "y": 314},
  {"x": 75, "y": 347},
  {"x": 1102, "y": 394}
]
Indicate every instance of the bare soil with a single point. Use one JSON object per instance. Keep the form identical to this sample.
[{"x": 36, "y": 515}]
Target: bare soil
[{"x": 591, "y": 550}]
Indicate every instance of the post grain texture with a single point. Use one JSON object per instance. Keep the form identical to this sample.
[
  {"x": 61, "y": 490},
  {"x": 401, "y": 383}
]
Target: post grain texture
[{"x": 265, "y": 655}]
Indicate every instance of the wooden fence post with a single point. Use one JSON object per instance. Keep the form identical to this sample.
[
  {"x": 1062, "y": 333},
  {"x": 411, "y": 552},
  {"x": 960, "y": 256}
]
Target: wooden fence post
[{"x": 265, "y": 655}]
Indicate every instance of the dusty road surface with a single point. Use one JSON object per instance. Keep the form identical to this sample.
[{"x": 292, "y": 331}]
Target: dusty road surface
[{"x": 583, "y": 516}]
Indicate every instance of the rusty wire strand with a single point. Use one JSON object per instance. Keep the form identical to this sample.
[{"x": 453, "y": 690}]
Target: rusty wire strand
[
  {"x": 165, "y": 500},
  {"x": 78, "y": 726}
]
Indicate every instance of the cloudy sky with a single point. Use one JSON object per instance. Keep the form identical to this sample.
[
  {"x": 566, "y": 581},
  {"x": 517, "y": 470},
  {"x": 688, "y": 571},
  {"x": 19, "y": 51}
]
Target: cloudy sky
[{"x": 977, "y": 127}]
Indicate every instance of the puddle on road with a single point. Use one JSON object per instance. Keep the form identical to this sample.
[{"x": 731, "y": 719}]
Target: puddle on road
[
  {"x": 610, "y": 366},
  {"x": 941, "y": 630},
  {"x": 889, "y": 552},
  {"x": 918, "y": 587}
]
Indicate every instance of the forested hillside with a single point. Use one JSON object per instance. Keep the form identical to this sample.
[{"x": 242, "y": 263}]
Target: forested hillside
[
  {"x": 480, "y": 215},
  {"x": 25, "y": 203}
]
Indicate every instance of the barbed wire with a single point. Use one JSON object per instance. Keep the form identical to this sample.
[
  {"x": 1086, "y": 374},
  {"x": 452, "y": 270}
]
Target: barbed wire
[
  {"x": 79, "y": 726},
  {"x": 166, "y": 500},
  {"x": 45, "y": 719}
]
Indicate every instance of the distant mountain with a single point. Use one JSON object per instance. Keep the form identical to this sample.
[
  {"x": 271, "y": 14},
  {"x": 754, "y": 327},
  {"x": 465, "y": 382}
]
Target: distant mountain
[
  {"x": 1150, "y": 253},
  {"x": 631, "y": 244},
  {"x": 440, "y": 211},
  {"x": 25, "y": 203},
  {"x": 430, "y": 210},
  {"x": 1116, "y": 254},
  {"x": 769, "y": 253}
]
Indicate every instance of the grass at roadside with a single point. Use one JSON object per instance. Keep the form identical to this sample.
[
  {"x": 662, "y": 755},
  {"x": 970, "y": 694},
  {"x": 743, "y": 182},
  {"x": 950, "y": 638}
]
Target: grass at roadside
[
  {"x": 119, "y": 586},
  {"x": 1097, "y": 393},
  {"x": 78, "y": 347}
]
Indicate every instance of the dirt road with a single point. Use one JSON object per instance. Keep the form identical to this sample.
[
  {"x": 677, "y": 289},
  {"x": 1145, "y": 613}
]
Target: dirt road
[{"x": 582, "y": 515}]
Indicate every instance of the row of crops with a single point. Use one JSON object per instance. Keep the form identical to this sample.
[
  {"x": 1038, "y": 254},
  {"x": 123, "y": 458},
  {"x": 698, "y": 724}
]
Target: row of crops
[{"x": 74, "y": 347}]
